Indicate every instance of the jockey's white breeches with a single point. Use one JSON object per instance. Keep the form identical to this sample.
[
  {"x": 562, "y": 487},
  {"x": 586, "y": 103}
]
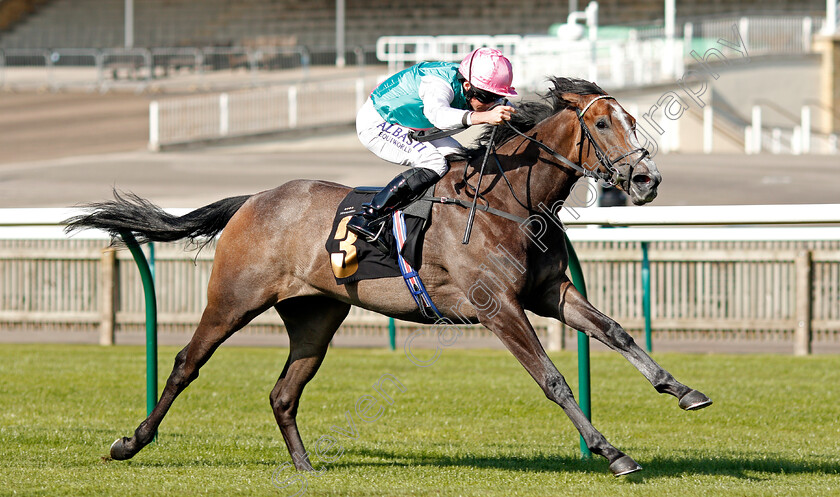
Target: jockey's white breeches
[{"x": 393, "y": 143}]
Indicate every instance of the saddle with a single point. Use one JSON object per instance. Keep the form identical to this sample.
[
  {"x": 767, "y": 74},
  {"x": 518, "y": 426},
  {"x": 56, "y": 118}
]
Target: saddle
[{"x": 354, "y": 259}]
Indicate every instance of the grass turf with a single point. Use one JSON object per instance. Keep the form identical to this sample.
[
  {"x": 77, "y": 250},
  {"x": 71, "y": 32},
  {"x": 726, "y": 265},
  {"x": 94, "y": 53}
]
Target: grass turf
[{"x": 473, "y": 423}]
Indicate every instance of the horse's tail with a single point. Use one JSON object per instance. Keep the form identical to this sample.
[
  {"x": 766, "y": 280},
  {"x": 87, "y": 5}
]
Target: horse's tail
[{"x": 150, "y": 223}]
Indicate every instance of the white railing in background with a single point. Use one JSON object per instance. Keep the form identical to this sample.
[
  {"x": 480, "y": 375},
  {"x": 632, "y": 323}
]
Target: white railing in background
[
  {"x": 679, "y": 215},
  {"x": 768, "y": 283},
  {"x": 51, "y": 219},
  {"x": 799, "y": 138},
  {"x": 179, "y": 120},
  {"x": 612, "y": 63},
  {"x": 640, "y": 59}
]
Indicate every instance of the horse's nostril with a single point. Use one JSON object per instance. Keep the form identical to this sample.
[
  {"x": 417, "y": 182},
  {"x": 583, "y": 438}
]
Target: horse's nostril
[{"x": 641, "y": 178}]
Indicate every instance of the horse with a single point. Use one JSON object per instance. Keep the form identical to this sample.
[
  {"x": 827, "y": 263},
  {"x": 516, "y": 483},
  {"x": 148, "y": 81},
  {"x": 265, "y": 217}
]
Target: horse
[{"x": 270, "y": 253}]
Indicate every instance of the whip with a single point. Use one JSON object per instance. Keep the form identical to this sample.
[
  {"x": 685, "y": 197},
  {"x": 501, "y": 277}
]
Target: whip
[{"x": 478, "y": 189}]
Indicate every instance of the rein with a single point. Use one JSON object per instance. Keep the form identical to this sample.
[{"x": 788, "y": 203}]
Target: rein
[{"x": 609, "y": 176}]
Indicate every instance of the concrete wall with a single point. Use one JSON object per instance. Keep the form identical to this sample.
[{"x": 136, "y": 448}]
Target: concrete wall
[{"x": 780, "y": 85}]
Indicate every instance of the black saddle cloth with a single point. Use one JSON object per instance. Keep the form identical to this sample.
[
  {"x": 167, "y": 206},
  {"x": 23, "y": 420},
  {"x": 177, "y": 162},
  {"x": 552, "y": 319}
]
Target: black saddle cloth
[{"x": 354, "y": 259}]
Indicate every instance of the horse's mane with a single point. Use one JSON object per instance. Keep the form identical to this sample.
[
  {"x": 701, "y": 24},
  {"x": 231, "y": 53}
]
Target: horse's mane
[{"x": 529, "y": 113}]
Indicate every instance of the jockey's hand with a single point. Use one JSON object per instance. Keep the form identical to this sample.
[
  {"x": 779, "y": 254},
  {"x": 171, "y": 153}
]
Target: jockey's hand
[{"x": 493, "y": 116}]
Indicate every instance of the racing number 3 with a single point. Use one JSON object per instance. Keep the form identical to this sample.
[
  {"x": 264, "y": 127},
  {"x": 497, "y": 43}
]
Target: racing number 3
[{"x": 344, "y": 263}]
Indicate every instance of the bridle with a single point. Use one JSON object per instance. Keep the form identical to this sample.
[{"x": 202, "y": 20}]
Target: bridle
[{"x": 610, "y": 175}]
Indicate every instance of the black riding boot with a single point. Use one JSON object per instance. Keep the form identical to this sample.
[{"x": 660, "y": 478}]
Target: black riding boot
[{"x": 398, "y": 193}]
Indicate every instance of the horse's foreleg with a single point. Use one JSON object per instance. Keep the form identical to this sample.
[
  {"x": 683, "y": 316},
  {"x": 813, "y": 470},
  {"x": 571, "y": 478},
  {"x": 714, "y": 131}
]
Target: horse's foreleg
[
  {"x": 512, "y": 327},
  {"x": 574, "y": 310},
  {"x": 311, "y": 323}
]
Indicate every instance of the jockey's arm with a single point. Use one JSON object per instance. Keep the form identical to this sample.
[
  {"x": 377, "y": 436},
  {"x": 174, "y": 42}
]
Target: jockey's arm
[{"x": 437, "y": 98}]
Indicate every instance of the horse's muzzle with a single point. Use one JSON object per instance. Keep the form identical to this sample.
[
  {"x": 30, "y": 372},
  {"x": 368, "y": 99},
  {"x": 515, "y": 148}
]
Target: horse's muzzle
[{"x": 644, "y": 185}]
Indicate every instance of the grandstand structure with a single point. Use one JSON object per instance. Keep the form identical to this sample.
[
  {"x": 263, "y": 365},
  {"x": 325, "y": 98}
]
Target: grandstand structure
[
  {"x": 193, "y": 23},
  {"x": 251, "y": 63}
]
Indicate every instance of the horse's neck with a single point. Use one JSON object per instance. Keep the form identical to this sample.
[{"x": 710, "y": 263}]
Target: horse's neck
[{"x": 535, "y": 176}]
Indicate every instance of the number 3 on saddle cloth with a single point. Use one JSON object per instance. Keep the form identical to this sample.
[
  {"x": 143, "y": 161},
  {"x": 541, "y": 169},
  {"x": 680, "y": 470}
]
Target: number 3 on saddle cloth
[{"x": 354, "y": 259}]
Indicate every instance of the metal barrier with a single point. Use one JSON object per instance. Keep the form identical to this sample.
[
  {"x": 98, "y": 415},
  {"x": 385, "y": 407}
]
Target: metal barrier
[
  {"x": 70, "y": 68},
  {"x": 136, "y": 68},
  {"x": 166, "y": 61}
]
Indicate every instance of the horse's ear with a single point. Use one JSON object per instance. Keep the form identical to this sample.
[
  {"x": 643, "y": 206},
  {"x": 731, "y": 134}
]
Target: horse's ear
[{"x": 573, "y": 98}]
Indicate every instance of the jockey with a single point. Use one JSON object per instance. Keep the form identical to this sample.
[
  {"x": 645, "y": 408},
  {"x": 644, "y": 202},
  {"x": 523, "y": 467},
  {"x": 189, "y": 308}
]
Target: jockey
[{"x": 430, "y": 94}]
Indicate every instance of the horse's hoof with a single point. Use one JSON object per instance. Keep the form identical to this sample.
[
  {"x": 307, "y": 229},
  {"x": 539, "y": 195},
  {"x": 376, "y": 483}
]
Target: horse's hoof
[
  {"x": 119, "y": 451},
  {"x": 624, "y": 465},
  {"x": 694, "y": 400}
]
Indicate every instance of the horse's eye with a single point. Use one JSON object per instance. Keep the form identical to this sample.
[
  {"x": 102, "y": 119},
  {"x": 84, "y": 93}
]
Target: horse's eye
[{"x": 601, "y": 124}]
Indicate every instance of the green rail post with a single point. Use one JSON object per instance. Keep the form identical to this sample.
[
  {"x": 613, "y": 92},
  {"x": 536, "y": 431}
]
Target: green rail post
[
  {"x": 584, "y": 384},
  {"x": 392, "y": 334},
  {"x": 151, "y": 318},
  {"x": 646, "y": 297}
]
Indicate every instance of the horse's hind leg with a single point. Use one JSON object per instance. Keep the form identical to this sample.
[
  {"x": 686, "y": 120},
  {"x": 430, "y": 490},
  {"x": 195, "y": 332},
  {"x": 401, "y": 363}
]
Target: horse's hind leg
[
  {"x": 227, "y": 311},
  {"x": 311, "y": 323},
  {"x": 577, "y": 312}
]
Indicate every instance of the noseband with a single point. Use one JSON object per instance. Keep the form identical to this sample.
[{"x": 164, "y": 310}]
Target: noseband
[{"x": 610, "y": 174}]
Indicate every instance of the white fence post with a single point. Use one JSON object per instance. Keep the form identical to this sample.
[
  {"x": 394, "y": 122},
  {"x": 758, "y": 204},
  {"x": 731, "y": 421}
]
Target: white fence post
[
  {"x": 555, "y": 336},
  {"x": 756, "y": 130},
  {"x": 796, "y": 141},
  {"x": 293, "y": 100},
  {"x": 807, "y": 27},
  {"x": 107, "y": 296},
  {"x": 802, "y": 334},
  {"x": 671, "y": 138},
  {"x": 744, "y": 30},
  {"x": 224, "y": 115},
  {"x": 806, "y": 129},
  {"x": 688, "y": 36},
  {"x": 830, "y": 17},
  {"x": 617, "y": 60},
  {"x": 154, "y": 126}
]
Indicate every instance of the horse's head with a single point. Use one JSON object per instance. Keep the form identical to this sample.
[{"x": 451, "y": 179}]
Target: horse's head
[
  {"x": 585, "y": 131},
  {"x": 610, "y": 148}
]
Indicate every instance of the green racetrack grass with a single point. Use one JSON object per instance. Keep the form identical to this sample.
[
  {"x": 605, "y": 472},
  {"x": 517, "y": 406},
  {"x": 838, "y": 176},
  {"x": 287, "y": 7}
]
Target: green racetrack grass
[{"x": 473, "y": 423}]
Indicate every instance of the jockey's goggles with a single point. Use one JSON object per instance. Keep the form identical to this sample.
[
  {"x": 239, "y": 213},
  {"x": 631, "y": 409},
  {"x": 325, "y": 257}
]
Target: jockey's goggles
[{"x": 484, "y": 97}]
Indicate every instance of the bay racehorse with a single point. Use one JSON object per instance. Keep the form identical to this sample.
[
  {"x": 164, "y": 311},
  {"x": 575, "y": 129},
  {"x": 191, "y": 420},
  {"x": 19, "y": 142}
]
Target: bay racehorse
[{"x": 271, "y": 254}]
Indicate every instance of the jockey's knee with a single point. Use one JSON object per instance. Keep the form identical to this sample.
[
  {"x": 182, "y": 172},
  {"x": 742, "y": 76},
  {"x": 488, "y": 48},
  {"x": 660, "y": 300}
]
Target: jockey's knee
[
  {"x": 436, "y": 163},
  {"x": 422, "y": 178}
]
